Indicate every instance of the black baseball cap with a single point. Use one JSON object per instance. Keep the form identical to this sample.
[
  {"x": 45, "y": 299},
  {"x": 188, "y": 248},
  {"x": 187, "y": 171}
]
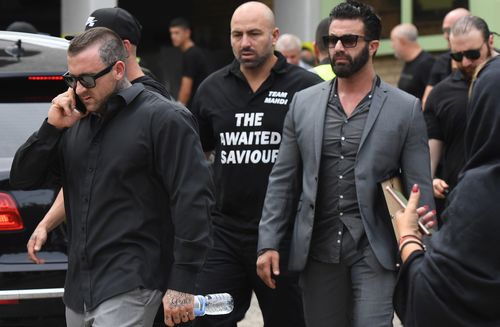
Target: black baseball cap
[{"x": 116, "y": 19}]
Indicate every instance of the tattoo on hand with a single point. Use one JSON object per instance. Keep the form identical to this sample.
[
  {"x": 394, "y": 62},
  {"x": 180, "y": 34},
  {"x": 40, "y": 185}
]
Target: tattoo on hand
[{"x": 178, "y": 299}]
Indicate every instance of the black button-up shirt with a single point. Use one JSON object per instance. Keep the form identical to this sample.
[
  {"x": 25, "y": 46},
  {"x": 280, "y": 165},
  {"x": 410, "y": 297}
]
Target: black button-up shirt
[
  {"x": 129, "y": 176},
  {"x": 337, "y": 202}
]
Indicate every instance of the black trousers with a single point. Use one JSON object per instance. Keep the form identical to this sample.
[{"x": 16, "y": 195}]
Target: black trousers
[{"x": 231, "y": 268}]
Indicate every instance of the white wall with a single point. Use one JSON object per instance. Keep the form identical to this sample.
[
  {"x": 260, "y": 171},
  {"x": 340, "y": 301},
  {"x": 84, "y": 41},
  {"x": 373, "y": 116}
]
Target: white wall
[
  {"x": 299, "y": 17},
  {"x": 74, "y": 13}
]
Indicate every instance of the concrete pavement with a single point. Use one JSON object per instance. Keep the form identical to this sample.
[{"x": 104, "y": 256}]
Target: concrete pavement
[{"x": 253, "y": 318}]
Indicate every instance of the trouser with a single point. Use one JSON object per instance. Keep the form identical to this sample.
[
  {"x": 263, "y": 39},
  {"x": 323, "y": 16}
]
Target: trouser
[
  {"x": 357, "y": 292},
  {"x": 135, "y": 308},
  {"x": 231, "y": 268}
]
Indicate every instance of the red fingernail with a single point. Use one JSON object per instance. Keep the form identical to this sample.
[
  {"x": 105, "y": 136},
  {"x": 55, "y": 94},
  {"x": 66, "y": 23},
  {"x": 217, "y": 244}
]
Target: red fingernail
[{"x": 414, "y": 188}]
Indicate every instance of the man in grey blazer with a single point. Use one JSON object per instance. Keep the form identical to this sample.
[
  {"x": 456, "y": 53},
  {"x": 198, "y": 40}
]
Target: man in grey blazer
[{"x": 340, "y": 140}]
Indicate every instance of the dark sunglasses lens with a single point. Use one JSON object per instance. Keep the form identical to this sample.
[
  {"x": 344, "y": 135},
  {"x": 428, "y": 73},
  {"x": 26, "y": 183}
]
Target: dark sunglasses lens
[
  {"x": 349, "y": 41},
  {"x": 472, "y": 54},
  {"x": 70, "y": 80},
  {"x": 87, "y": 81},
  {"x": 457, "y": 56}
]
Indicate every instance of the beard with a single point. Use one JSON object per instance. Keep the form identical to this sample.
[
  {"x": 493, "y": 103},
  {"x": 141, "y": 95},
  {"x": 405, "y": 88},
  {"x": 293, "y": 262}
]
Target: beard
[
  {"x": 355, "y": 64},
  {"x": 469, "y": 71}
]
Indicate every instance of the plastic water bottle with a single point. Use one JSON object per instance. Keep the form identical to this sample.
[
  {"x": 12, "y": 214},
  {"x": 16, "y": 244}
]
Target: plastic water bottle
[{"x": 213, "y": 304}]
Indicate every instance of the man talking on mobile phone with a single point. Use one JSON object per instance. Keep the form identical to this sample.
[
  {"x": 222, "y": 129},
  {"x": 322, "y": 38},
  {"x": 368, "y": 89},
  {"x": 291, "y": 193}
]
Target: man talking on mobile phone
[{"x": 135, "y": 181}]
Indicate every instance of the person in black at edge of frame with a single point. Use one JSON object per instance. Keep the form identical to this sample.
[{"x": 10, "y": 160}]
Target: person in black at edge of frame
[
  {"x": 195, "y": 67},
  {"x": 118, "y": 265},
  {"x": 241, "y": 109},
  {"x": 457, "y": 281}
]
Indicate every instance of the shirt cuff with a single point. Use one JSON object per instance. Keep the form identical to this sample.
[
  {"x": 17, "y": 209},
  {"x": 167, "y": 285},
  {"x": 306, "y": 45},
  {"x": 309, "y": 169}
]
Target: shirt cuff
[
  {"x": 182, "y": 280},
  {"x": 49, "y": 132}
]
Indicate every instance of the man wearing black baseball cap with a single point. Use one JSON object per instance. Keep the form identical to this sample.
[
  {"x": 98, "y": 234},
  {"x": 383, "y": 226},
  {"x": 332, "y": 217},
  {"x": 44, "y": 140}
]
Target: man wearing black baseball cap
[{"x": 129, "y": 29}]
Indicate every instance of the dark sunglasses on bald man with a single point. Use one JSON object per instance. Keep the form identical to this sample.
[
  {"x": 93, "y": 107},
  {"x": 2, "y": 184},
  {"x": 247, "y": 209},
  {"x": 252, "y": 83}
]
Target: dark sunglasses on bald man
[
  {"x": 348, "y": 40},
  {"x": 86, "y": 80},
  {"x": 469, "y": 54}
]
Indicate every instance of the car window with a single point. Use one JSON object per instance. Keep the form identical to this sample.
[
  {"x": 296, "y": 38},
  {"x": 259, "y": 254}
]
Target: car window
[
  {"x": 30, "y": 77},
  {"x": 19, "y": 121}
]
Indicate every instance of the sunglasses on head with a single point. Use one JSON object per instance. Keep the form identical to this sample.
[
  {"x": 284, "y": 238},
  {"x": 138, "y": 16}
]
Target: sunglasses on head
[
  {"x": 469, "y": 54},
  {"x": 348, "y": 40},
  {"x": 86, "y": 80}
]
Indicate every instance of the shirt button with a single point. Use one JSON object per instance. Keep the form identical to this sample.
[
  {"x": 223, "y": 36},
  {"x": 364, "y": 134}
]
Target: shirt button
[
  {"x": 340, "y": 233},
  {"x": 341, "y": 196},
  {"x": 346, "y": 121},
  {"x": 341, "y": 176},
  {"x": 342, "y": 138},
  {"x": 341, "y": 157},
  {"x": 338, "y": 241}
]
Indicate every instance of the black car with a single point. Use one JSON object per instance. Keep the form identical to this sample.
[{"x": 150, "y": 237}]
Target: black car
[{"x": 31, "y": 66}]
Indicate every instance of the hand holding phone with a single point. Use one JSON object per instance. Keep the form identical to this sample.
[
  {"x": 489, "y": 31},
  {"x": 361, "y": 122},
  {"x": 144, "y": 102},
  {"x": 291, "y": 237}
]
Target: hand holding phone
[{"x": 402, "y": 201}]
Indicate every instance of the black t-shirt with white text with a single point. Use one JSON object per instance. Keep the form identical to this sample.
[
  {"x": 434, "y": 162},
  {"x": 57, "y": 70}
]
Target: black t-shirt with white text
[{"x": 245, "y": 130}]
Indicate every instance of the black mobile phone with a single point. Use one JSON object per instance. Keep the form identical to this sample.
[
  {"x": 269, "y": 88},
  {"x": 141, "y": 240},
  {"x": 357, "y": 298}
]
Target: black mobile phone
[{"x": 79, "y": 104}]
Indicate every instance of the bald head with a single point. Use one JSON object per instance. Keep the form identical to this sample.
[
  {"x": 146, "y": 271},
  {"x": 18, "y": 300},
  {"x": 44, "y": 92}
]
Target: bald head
[
  {"x": 404, "y": 41},
  {"x": 253, "y": 35},
  {"x": 255, "y": 9},
  {"x": 450, "y": 19},
  {"x": 405, "y": 31}
]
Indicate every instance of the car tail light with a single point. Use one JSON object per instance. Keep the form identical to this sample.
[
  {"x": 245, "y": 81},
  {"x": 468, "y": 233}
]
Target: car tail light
[
  {"x": 9, "y": 302},
  {"x": 45, "y": 78},
  {"x": 10, "y": 219}
]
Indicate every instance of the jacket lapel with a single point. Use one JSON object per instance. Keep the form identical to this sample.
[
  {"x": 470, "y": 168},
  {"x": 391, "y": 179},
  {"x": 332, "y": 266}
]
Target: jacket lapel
[
  {"x": 319, "y": 107},
  {"x": 379, "y": 97}
]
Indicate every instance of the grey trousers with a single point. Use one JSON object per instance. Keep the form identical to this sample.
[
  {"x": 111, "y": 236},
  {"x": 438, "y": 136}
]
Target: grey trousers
[
  {"x": 135, "y": 308},
  {"x": 357, "y": 292}
]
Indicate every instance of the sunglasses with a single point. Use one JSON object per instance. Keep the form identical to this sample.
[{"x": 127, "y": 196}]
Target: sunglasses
[
  {"x": 348, "y": 40},
  {"x": 87, "y": 81},
  {"x": 469, "y": 54}
]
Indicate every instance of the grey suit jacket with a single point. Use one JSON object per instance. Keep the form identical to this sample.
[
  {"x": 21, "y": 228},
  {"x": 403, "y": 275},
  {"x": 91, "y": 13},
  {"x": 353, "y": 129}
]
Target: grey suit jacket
[{"x": 394, "y": 138}]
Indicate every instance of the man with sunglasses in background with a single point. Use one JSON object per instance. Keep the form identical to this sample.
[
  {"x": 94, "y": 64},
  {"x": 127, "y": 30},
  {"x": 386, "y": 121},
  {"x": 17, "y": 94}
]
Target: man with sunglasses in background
[
  {"x": 443, "y": 65},
  {"x": 341, "y": 138},
  {"x": 135, "y": 182},
  {"x": 471, "y": 44}
]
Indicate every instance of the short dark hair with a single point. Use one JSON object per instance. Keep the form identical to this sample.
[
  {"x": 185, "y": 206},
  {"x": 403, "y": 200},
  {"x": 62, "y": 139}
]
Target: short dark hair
[
  {"x": 352, "y": 9},
  {"x": 322, "y": 30},
  {"x": 111, "y": 45},
  {"x": 180, "y": 22},
  {"x": 465, "y": 24}
]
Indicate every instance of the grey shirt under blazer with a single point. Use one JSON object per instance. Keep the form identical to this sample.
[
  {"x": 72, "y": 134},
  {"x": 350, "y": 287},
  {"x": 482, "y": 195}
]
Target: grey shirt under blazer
[{"x": 394, "y": 138}]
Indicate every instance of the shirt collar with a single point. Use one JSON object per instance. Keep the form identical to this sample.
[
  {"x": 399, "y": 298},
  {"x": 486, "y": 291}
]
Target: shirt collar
[
  {"x": 123, "y": 98},
  {"x": 280, "y": 67}
]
